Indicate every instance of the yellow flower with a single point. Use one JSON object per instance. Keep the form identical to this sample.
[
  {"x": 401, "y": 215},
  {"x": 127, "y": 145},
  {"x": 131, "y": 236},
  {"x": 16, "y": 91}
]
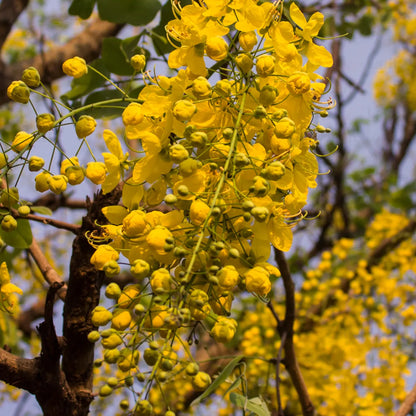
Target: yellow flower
[
  {"x": 183, "y": 110},
  {"x": 57, "y": 183},
  {"x": 19, "y": 92},
  {"x": 138, "y": 62},
  {"x": 299, "y": 83},
  {"x": 216, "y": 48},
  {"x": 21, "y": 141},
  {"x": 85, "y": 126},
  {"x": 257, "y": 281},
  {"x": 31, "y": 77},
  {"x": 42, "y": 181},
  {"x": 224, "y": 329},
  {"x": 160, "y": 281},
  {"x": 102, "y": 255},
  {"x": 75, "y": 67},
  {"x": 132, "y": 114},
  {"x": 198, "y": 212},
  {"x": 265, "y": 65},
  {"x": 8, "y": 299},
  {"x": 96, "y": 172},
  {"x": 201, "y": 87},
  {"x": 45, "y": 122},
  {"x": 228, "y": 277},
  {"x": 134, "y": 223}
]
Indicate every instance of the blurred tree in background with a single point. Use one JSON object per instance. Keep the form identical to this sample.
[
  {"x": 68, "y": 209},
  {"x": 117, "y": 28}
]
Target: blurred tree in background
[{"x": 161, "y": 226}]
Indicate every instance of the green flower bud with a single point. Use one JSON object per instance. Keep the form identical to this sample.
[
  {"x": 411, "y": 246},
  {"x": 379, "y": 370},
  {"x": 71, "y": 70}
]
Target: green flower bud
[
  {"x": 42, "y": 181},
  {"x": 19, "y": 92},
  {"x": 93, "y": 336},
  {"x": 101, "y": 316},
  {"x": 3, "y": 160},
  {"x": 57, "y": 183},
  {"x": 178, "y": 153},
  {"x": 112, "y": 381},
  {"x": 268, "y": 95},
  {"x": 244, "y": 63},
  {"x": 198, "y": 139},
  {"x": 75, "y": 174},
  {"x": 189, "y": 166},
  {"x": 111, "y": 356},
  {"x": 260, "y": 213},
  {"x": 151, "y": 356},
  {"x": 170, "y": 199},
  {"x": 140, "y": 269},
  {"x": 23, "y": 210},
  {"x": 124, "y": 404},
  {"x": 31, "y": 77},
  {"x": 143, "y": 408},
  {"x": 10, "y": 197},
  {"x": 105, "y": 390},
  {"x": 111, "y": 268}
]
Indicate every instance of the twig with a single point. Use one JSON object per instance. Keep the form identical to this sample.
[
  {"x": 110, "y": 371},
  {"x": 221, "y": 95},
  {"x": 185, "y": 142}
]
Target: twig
[
  {"x": 286, "y": 334},
  {"x": 50, "y": 221},
  {"x": 407, "y": 405},
  {"x": 48, "y": 272}
]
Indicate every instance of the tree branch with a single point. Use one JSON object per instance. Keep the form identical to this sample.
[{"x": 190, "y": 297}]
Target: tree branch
[
  {"x": 10, "y": 11},
  {"x": 286, "y": 334},
  {"x": 407, "y": 405},
  {"x": 48, "y": 272}
]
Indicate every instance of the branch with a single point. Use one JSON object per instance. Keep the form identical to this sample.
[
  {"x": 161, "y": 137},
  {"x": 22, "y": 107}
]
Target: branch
[
  {"x": 10, "y": 11},
  {"x": 50, "y": 221},
  {"x": 286, "y": 334},
  {"x": 407, "y": 405},
  {"x": 86, "y": 44},
  {"x": 48, "y": 272},
  {"x": 26, "y": 317}
]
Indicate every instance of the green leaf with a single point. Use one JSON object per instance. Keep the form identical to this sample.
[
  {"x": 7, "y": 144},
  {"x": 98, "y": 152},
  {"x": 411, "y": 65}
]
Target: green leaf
[
  {"x": 41, "y": 210},
  {"x": 21, "y": 237},
  {"x": 81, "y": 8},
  {"x": 133, "y": 12},
  {"x": 110, "y": 111},
  {"x": 255, "y": 405},
  {"x": 88, "y": 82},
  {"x": 228, "y": 369},
  {"x": 115, "y": 58}
]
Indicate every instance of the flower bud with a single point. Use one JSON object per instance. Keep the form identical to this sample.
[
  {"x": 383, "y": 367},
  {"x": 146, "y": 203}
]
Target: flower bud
[
  {"x": 3, "y": 160},
  {"x": 45, "y": 122},
  {"x": 198, "y": 212},
  {"x": 178, "y": 153},
  {"x": 31, "y": 77},
  {"x": 134, "y": 223},
  {"x": 244, "y": 63},
  {"x": 105, "y": 390},
  {"x": 111, "y": 356},
  {"x": 75, "y": 67},
  {"x": 132, "y": 114},
  {"x": 201, "y": 87},
  {"x": 224, "y": 329},
  {"x": 101, "y": 316},
  {"x": 143, "y": 408},
  {"x": 247, "y": 40},
  {"x": 111, "y": 268},
  {"x": 10, "y": 197},
  {"x": 8, "y": 223},
  {"x": 19, "y": 92},
  {"x": 138, "y": 62},
  {"x": 223, "y": 87},
  {"x": 183, "y": 110},
  {"x": 198, "y": 139},
  {"x": 260, "y": 213},
  {"x": 160, "y": 281},
  {"x": 96, "y": 172},
  {"x": 140, "y": 269},
  {"x": 23, "y": 210},
  {"x": 102, "y": 255},
  {"x": 121, "y": 320},
  {"x": 113, "y": 291},
  {"x": 42, "y": 181},
  {"x": 75, "y": 175},
  {"x": 257, "y": 281},
  {"x": 157, "y": 239},
  {"x": 188, "y": 167},
  {"x": 201, "y": 381},
  {"x": 93, "y": 336},
  {"x": 36, "y": 163},
  {"x": 85, "y": 126},
  {"x": 268, "y": 95},
  {"x": 274, "y": 171},
  {"x": 57, "y": 183},
  {"x": 21, "y": 141},
  {"x": 216, "y": 48},
  {"x": 285, "y": 128},
  {"x": 228, "y": 277},
  {"x": 265, "y": 65}
]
